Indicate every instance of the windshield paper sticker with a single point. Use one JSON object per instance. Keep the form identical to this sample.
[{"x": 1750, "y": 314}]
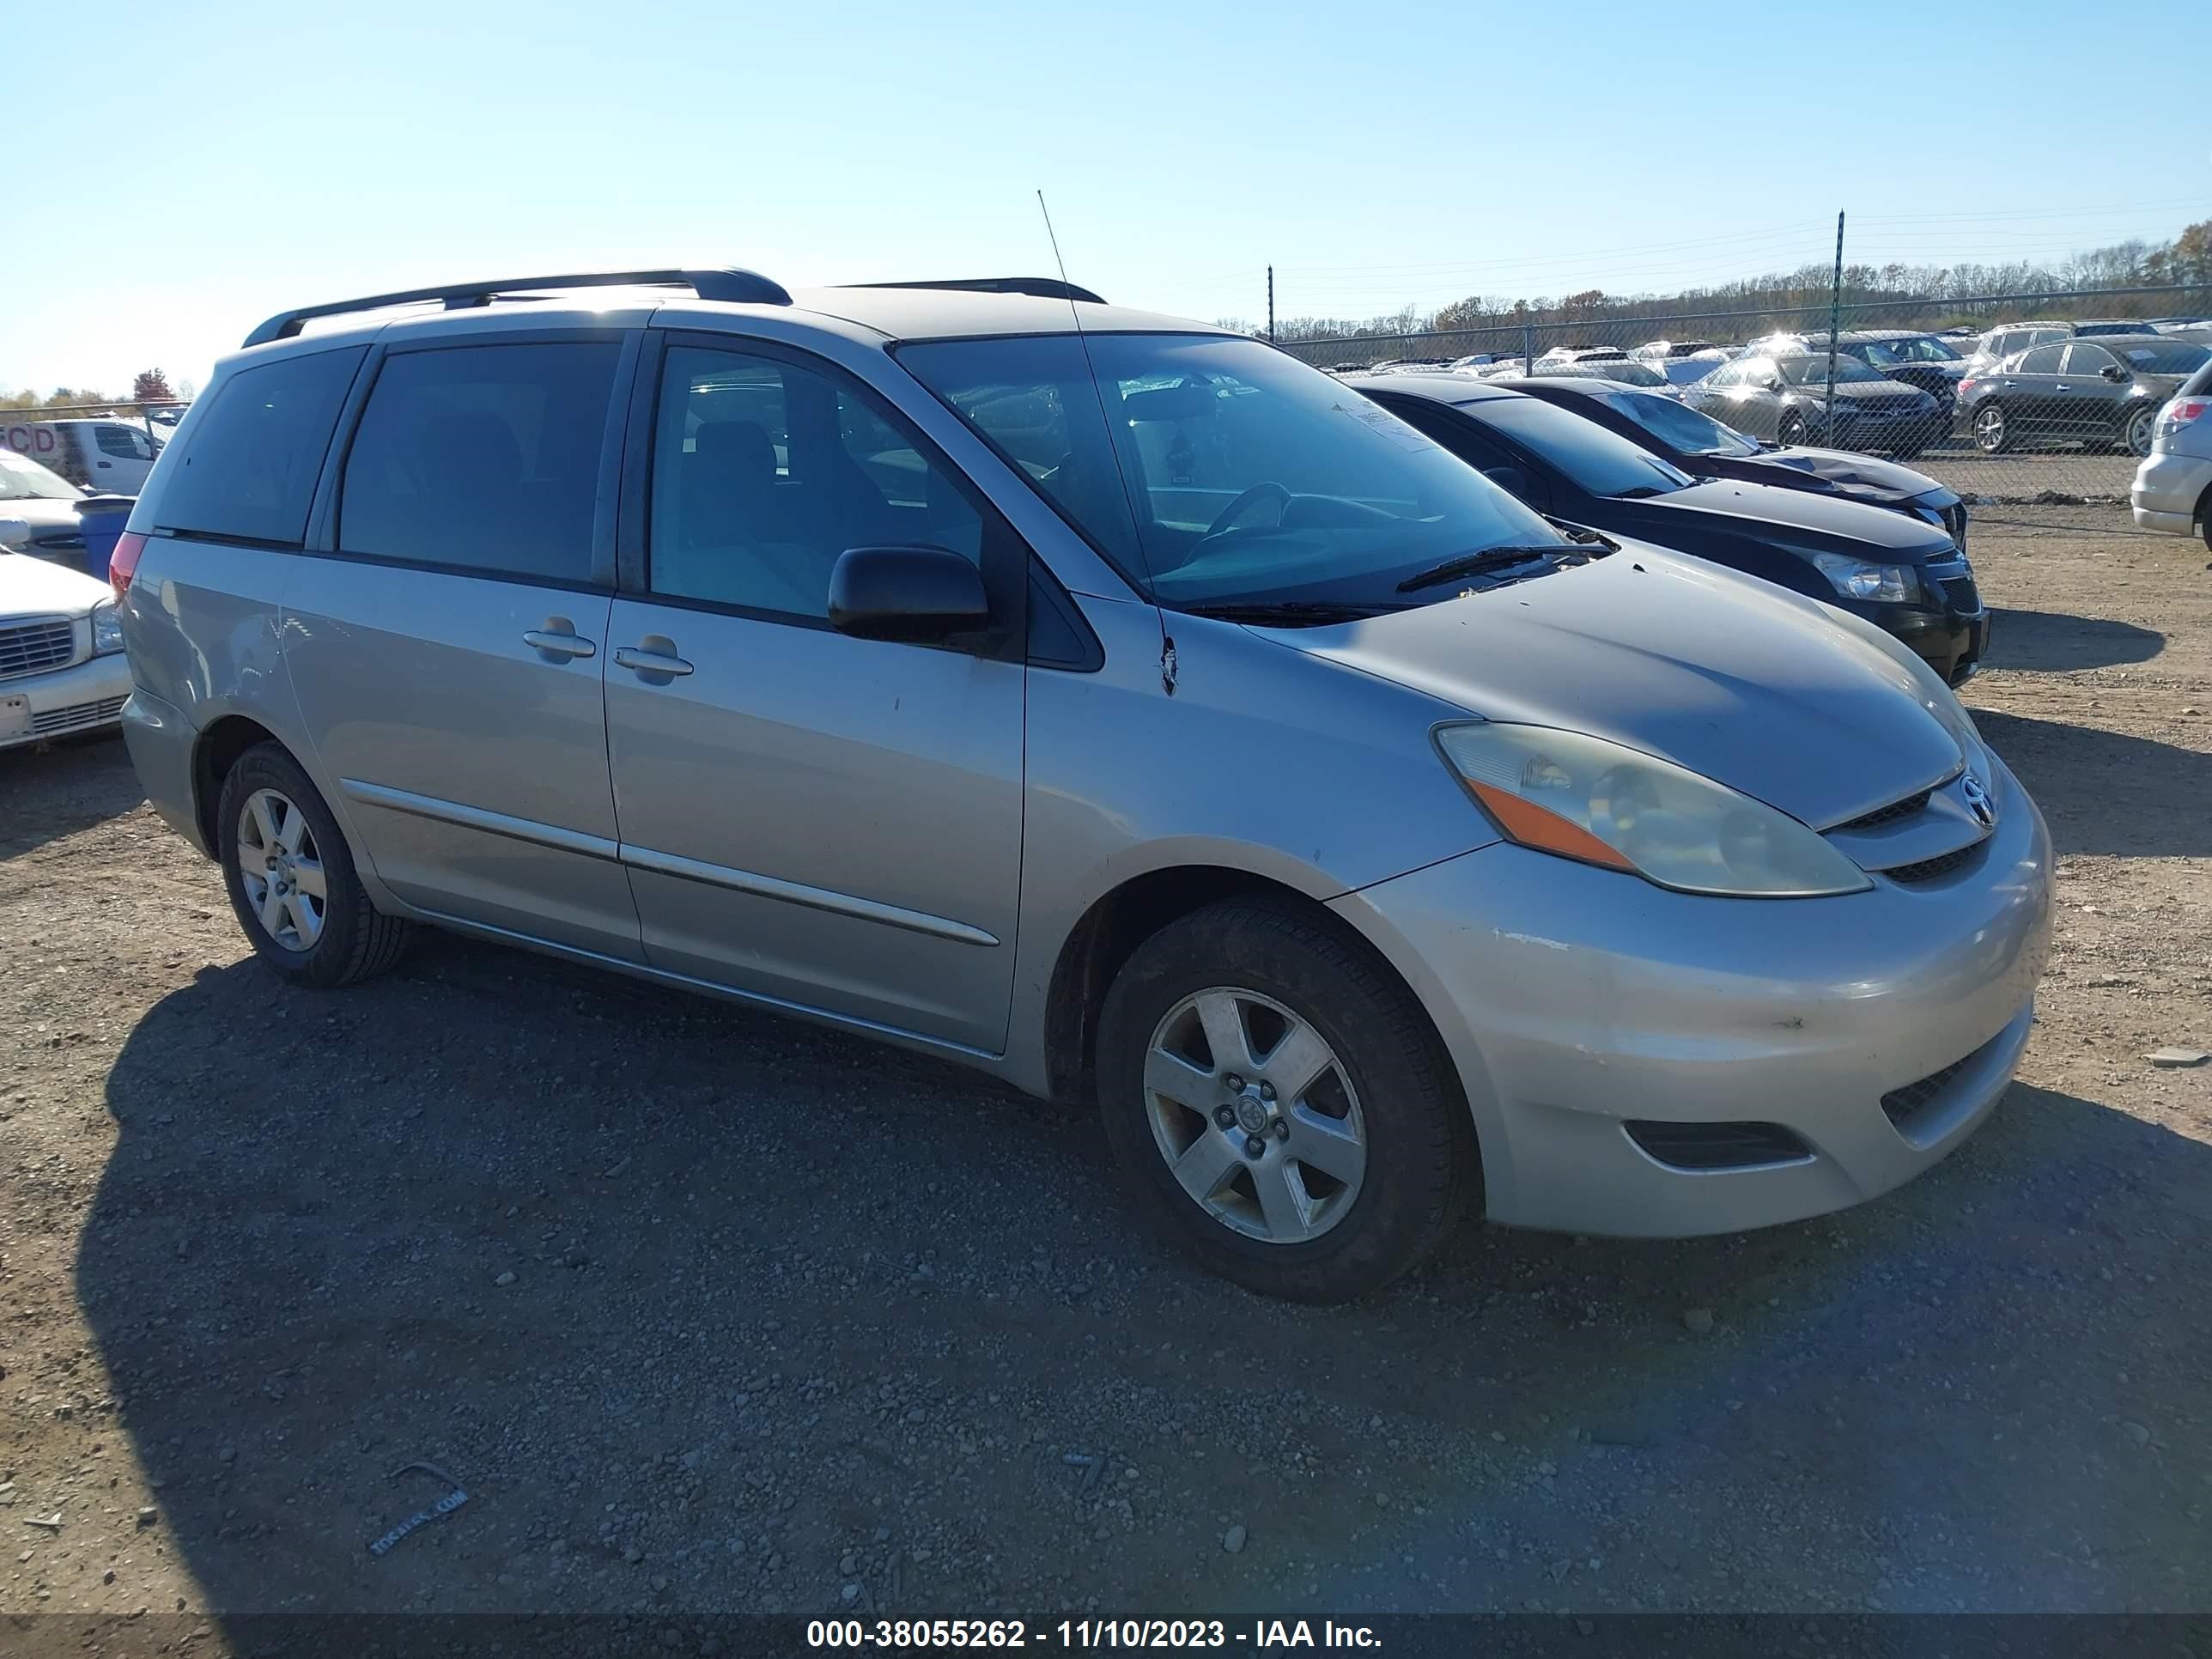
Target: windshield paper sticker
[{"x": 1380, "y": 420}]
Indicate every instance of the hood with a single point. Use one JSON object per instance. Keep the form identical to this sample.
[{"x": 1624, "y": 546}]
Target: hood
[
  {"x": 44, "y": 513},
  {"x": 31, "y": 586},
  {"x": 1793, "y": 517},
  {"x": 1733, "y": 679},
  {"x": 1883, "y": 391},
  {"x": 1840, "y": 471}
]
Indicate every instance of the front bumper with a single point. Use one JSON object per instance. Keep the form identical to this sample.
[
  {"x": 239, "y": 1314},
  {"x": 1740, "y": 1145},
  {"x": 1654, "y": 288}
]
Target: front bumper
[
  {"x": 2168, "y": 491},
  {"x": 63, "y": 700},
  {"x": 1952, "y": 642},
  {"x": 1575, "y": 1000}
]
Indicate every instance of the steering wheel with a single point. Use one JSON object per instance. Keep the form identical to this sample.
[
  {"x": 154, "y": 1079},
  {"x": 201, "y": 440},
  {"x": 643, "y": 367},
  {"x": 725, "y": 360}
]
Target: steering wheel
[{"x": 1265, "y": 490}]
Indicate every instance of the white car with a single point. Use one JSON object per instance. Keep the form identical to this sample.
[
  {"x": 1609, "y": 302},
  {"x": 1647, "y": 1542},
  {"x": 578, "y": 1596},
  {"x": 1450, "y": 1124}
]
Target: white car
[{"x": 62, "y": 667}]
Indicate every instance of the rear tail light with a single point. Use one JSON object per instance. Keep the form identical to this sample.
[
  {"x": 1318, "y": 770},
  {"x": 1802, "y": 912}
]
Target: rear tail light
[
  {"x": 124, "y": 564},
  {"x": 2182, "y": 411},
  {"x": 1966, "y": 385}
]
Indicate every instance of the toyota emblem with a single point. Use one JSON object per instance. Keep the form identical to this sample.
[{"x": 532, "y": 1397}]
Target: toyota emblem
[{"x": 1978, "y": 801}]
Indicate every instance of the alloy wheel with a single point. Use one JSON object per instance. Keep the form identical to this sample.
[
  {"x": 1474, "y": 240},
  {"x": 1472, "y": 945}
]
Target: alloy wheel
[
  {"x": 1990, "y": 430},
  {"x": 2140, "y": 429},
  {"x": 282, "y": 870},
  {"x": 1254, "y": 1115}
]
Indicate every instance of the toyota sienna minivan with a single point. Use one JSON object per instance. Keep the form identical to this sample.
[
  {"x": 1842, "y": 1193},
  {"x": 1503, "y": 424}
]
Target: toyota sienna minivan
[{"x": 1107, "y": 702}]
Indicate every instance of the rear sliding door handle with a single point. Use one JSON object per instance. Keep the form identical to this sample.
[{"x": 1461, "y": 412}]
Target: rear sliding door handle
[
  {"x": 558, "y": 646},
  {"x": 657, "y": 665}
]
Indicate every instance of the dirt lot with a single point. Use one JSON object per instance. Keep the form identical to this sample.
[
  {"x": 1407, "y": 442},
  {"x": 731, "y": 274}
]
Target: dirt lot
[{"x": 710, "y": 1311}]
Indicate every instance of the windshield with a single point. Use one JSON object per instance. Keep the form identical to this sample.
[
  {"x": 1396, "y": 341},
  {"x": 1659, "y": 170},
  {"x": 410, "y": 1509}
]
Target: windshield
[
  {"x": 25, "y": 480},
  {"x": 2179, "y": 358},
  {"x": 1599, "y": 462},
  {"x": 1253, "y": 477},
  {"x": 1814, "y": 371},
  {"x": 1686, "y": 430},
  {"x": 1886, "y": 353}
]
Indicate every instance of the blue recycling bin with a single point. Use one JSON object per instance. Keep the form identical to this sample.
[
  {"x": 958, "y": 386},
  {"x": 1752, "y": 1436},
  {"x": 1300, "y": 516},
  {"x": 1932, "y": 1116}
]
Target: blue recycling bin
[{"x": 103, "y": 517}]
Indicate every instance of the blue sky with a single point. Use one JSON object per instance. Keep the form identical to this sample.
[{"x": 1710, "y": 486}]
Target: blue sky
[{"x": 250, "y": 157}]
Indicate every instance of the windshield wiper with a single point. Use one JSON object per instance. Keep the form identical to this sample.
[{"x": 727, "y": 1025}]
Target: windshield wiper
[
  {"x": 1289, "y": 613},
  {"x": 1490, "y": 558}
]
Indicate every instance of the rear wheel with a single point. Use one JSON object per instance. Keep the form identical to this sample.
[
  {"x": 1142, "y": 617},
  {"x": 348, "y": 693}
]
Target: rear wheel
[
  {"x": 291, "y": 876},
  {"x": 1992, "y": 432},
  {"x": 1279, "y": 1104},
  {"x": 2138, "y": 429}
]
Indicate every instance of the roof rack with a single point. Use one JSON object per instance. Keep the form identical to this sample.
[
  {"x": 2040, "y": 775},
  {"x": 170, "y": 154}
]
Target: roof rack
[
  {"x": 1043, "y": 288},
  {"x": 743, "y": 286}
]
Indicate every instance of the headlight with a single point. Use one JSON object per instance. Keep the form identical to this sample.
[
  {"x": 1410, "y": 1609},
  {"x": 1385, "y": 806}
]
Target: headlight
[
  {"x": 1587, "y": 798},
  {"x": 106, "y": 628},
  {"x": 1855, "y": 579}
]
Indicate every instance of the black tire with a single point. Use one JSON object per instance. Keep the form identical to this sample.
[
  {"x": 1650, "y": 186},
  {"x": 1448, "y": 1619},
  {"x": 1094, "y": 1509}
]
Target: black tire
[
  {"x": 1420, "y": 1163},
  {"x": 2138, "y": 430},
  {"x": 1992, "y": 436},
  {"x": 355, "y": 941}
]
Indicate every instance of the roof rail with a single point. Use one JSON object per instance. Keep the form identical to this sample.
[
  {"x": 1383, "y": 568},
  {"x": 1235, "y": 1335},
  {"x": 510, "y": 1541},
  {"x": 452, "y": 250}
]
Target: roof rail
[
  {"x": 744, "y": 287},
  {"x": 1043, "y": 288}
]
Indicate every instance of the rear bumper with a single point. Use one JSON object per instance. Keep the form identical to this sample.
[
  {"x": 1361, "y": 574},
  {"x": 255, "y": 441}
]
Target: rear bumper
[
  {"x": 84, "y": 698},
  {"x": 2168, "y": 491},
  {"x": 1576, "y": 1001},
  {"x": 161, "y": 741}
]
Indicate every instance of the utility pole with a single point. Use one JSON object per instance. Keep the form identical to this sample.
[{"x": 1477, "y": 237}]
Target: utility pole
[
  {"x": 1271, "y": 304},
  {"x": 1835, "y": 322}
]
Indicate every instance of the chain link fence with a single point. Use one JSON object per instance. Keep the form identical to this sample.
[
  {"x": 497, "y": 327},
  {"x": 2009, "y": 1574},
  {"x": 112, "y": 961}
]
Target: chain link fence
[{"x": 2008, "y": 398}]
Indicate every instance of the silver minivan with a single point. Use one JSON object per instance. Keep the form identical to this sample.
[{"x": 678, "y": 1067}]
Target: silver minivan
[{"x": 1109, "y": 703}]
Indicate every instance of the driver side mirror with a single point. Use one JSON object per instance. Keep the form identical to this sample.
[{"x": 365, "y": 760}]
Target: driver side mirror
[
  {"x": 2116, "y": 375},
  {"x": 918, "y": 595}
]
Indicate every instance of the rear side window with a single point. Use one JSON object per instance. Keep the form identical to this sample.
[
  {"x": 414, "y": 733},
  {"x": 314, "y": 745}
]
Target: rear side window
[
  {"x": 250, "y": 471},
  {"x": 2043, "y": 360},
  {"x": 482, "y": 458}
]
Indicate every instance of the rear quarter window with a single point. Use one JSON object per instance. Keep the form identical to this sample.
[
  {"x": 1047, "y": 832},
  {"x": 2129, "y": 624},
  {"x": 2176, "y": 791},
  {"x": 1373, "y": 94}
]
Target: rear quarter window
[{"x": 250, "y": 469}]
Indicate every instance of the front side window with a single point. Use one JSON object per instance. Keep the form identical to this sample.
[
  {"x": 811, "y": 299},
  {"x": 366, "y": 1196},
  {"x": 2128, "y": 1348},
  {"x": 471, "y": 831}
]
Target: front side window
[
  {"x": 765, "y": 472},
  {"x": 250, "y": 469},
  {"x": 484, "y": 458},
  {"x": 2088, "y": 359},
  {"x": 126, "y": 441},
  {"x": 1218, "y": 470},
  {"x": 22, "y": 479}
]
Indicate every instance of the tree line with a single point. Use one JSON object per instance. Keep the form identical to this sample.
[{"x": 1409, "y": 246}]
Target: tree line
[
  {"x": 1917, "y": 294},
  {"x": 150, "y": 385}
]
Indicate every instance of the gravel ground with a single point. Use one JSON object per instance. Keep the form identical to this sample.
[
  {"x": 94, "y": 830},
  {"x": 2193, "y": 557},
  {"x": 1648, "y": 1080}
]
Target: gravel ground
[{"x": 714, "y": 1312}]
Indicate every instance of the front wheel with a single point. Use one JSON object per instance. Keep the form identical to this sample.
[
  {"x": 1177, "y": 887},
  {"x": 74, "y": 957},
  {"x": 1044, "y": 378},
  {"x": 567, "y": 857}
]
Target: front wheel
[
  {"x": 1280, "y": 1103},
  {"x": 2138, "y": 430},
  {"x": 291, "y": 878},
  {"x": 1792, "y": 431},
  {"x": 1992, "y": 432}
]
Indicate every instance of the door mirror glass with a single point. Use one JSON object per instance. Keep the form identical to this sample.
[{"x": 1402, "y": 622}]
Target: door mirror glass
[
  {"x": 2115, "y": 373},
  {"x": 921, "y": 595}
]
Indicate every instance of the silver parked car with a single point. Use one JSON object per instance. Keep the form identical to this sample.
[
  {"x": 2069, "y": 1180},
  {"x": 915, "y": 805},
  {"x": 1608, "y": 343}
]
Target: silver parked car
[
  {"x": 1106, "y": 702},
  {"x": 2173, "y": 487}
]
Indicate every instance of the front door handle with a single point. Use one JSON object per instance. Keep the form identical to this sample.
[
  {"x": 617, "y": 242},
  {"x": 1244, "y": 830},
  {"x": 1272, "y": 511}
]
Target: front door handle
[
  {"x": 558, "y": 640},
  {"x": 653, "y": 658}
]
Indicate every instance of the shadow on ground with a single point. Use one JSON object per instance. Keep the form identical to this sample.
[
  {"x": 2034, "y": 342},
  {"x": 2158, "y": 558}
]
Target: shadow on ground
[
  {"x": 2105, "y": 791},
  {"x": 75, "y": 785},
  {"x": 2043, "y": 642},
  {"x": 789, "y": 1312}
]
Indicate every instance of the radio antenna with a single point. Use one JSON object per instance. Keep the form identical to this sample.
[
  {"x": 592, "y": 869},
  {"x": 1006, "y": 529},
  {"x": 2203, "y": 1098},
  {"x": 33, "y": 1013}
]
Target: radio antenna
[{"x": 1106, "y": 425}]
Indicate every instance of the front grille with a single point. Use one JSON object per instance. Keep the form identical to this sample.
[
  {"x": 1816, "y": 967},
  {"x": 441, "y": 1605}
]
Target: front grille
[
  {"x": 76, "y": 715},
  {"x": 1960, "y": 594},
  {"x": 1889, "y": 814},
  {"x": 1717, "y": 1145},
  {"x": 1955, "y": 520},
  {"x": 1928, "y": 869},
  {"x": 34, "y": 648}
]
